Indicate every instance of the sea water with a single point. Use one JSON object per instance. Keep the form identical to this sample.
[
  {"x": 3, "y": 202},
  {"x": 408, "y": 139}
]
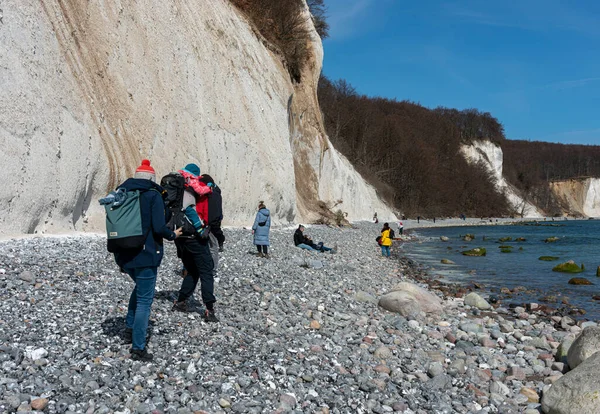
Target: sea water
[{"x": 579, "y": 240}]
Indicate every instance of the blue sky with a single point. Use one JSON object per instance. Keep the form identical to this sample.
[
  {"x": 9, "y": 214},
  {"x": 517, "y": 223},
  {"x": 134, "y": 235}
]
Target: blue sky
[{"x": 533, "y": 64}]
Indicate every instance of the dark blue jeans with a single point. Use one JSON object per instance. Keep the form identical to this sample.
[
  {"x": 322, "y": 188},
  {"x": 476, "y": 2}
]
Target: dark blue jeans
[
  {"x": 140, "y": 302},
  {"x": 196, "y": 258}
]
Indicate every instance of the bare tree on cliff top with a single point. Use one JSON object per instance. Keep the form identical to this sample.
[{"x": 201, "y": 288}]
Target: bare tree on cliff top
[{"x": 319, "y": 13}]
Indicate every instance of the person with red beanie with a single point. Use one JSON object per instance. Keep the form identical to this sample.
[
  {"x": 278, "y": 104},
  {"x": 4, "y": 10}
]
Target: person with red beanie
[{"x": 141, "y": 264}]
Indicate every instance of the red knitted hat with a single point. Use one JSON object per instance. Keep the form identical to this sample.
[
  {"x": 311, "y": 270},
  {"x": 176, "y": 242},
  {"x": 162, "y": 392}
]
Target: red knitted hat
[
  {"x": 145, "y": 171},
  {"x": 145, "y": 167}
]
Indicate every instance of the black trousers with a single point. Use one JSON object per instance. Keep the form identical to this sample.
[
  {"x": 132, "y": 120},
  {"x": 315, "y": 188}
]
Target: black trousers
[
  {"x": 265, "y": 249},
  {"x": 196, "y": 257}
]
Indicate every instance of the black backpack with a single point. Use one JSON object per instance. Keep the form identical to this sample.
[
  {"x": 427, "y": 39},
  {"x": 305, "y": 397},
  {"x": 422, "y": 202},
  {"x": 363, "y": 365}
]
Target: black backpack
[{"x": 174, "y": 184}]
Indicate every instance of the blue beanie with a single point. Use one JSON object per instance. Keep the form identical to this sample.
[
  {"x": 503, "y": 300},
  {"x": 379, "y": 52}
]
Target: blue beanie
[{"x": 192, "y": 169}]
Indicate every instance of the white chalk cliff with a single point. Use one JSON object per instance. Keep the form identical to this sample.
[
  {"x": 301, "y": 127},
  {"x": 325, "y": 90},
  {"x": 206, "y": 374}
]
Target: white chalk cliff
[
  {"x": 580, "y": 196},
  {"x": 491, "y": 156},
  {"x": 90, "y": 88}
]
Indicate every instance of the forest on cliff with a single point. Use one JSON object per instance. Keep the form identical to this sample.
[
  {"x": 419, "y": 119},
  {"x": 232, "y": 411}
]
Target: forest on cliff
[{"x": 411, "y": 154}]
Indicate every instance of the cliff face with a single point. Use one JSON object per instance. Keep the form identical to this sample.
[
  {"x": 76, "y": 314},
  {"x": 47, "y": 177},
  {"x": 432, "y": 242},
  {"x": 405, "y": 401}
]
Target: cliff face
[
  {"x": 491, "y": 156},
  {"x": 91, "y": 88},
  {"x": 579, "y": 196}
]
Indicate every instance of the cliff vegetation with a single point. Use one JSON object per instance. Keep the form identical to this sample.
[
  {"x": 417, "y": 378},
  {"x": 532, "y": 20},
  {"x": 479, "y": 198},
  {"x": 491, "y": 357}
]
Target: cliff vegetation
[{"x": 411, "y": 153}]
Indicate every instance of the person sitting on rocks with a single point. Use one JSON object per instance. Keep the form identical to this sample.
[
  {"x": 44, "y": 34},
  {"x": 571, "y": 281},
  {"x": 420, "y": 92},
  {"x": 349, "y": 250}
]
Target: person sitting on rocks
[{"x": 304, "y": 242}]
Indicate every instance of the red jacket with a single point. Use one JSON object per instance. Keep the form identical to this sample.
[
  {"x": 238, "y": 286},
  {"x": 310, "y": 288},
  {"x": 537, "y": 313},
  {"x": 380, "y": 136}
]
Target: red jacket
[{"x": 202, "y": 191}]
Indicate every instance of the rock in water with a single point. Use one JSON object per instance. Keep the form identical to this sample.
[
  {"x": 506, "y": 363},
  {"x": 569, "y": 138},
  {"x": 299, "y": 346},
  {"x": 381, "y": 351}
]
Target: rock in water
[
  {"x": 478, "y": 251},
  {"x": 548, "y": 258},
  {"x": 579, "y": 281},
  {"x": 401, "y": 302},
  {"x": 576, "y": 392},
  {"x": 444, "y": 238},
  {"x": 447, "y": 261},
  {"x": 598, "y": 271},
  {"x": 567, "y": 267},
  {"x": 586, "y": 344},
  {"x": 473, "y": 299}
]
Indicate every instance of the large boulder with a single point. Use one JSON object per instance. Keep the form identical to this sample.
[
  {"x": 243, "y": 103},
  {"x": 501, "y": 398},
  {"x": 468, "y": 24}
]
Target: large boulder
[
  {"x": 577, "y": 392},
  {"x": 429, "y": 302},
  {"x": 586, "y": 345},
  {"x": 473, "y": 299},
  {"x": 401, "y": 302}
]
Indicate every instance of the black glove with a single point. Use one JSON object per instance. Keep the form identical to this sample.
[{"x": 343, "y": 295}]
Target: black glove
[{"x": 203, "y": 233}]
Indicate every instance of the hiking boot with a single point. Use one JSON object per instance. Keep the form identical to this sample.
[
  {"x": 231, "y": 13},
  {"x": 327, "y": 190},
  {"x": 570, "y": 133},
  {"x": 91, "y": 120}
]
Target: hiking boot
[
  {"x": 266, "y": 256},
  {"x": 180, "y": 306},
  {"x": 184, "y": 272},
  {"x": 260, "y": 254},
  {"x": 128, "y": 336},
  {"x": 220, "y": 247},
  {"x": 141, "y": 355},
  {"x": 209, "y": 316}
]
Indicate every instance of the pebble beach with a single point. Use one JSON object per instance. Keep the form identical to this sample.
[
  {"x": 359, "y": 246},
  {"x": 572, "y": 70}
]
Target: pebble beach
[{"x": 300, "y": 332}]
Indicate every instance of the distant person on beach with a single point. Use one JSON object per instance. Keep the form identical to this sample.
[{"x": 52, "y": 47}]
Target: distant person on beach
[
  {"x": 386, "y": 240},
  {"x": 304, "y": 242},
  {"x": 418, "y": 219},
  {"x": 141, "y": 264},
  {"x": 400, "y": 228},
  {"x": 375, "y": 219},
  {"x": 194, "y": 250},
  {"x": 261, "y": 229}
]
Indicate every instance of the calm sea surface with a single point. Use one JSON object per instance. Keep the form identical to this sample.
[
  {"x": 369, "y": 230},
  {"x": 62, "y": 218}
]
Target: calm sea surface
[{"x": 579, "y": 240}]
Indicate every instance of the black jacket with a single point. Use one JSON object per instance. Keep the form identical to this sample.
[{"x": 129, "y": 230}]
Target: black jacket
[
  {"x": 153, "y": 223},
  {"x": 215, "y": 209},
  {"x": 300, "y": 238}
]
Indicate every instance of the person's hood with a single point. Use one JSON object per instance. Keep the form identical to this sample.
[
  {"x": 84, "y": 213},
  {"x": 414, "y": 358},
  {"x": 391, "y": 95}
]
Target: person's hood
[
  {"x": 265, "y": 212},
  {"x": 140, "y": 184}
]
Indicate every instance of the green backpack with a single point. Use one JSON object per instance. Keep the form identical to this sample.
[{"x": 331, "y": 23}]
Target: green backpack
[{"x": 124, "y": 224}]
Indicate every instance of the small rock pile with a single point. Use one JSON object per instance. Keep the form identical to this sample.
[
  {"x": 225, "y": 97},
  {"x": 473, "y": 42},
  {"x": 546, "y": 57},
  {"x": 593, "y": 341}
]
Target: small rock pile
[{"x": 300, "y": 332}]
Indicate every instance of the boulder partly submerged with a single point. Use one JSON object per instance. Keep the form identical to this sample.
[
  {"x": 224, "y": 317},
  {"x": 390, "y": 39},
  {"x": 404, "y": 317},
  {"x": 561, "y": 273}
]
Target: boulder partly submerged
[
  {"x": 447, "y": 261},
  {"x": 568, "y": 267},
  {"x": 579, "y": 281},
  {"x": 399, "y": 300},
  {"x": 577, "y": 392},
  {"x": 478, "y": 251},
  {"x": 548, "y": 258}
]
